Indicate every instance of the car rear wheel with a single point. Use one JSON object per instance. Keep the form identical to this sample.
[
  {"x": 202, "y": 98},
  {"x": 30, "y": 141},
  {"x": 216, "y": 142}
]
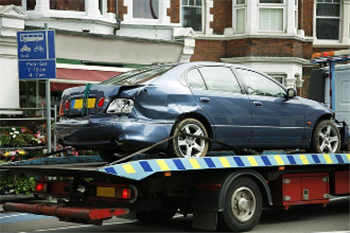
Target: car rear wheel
[
  {"x": 186, "y": 146},
  {"x": 325, "y": 138}
]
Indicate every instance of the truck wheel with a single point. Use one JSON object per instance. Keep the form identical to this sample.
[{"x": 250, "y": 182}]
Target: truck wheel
[
  {"x": 243, "y": 206},
  {"x": 189, "y": 147},
  {"x": 325, "y": 138},
  {"x": 155, "y": 215}
]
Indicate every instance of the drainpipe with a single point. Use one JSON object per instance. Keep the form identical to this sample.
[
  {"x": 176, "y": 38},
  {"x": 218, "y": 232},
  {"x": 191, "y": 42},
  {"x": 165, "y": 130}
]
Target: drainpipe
[{"x": 117, "y": 27}]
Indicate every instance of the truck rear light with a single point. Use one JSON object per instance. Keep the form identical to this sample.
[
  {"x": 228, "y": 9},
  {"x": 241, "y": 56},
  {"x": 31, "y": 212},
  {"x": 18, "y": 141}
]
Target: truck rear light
[
  {"x": 123, "y": 193},
  {"x": 40, "y": 187},
  {"x": 100, "y": 102},
  {"x": 61, "y": 112},
  {"x": 120, "y": 192}
]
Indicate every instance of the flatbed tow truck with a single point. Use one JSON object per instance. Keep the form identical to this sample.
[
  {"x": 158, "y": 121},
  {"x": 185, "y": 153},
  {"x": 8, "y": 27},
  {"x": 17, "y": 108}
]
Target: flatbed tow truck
[{"x": 223, "y": 190}]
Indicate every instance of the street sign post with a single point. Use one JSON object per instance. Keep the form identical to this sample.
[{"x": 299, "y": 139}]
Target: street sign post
[
  {"x": 36, "y": 55},
  {"x": 37, "y": 60}
]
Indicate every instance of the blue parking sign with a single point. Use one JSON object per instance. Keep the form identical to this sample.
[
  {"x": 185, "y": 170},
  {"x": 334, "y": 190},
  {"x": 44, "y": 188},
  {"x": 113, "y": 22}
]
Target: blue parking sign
[{"x": 36, "y": 54}]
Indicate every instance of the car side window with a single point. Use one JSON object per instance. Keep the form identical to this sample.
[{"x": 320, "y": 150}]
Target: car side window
[
  {"x": 258, "y": 84},
  {"x": 195, "y": 79},
  {"x": 220, "y": 79}
]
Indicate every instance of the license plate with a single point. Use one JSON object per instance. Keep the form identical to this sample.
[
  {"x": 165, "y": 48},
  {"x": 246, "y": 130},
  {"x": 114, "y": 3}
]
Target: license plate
[
  {"x": 105, "y": 192},
  {"x": 78, "y": 103}
]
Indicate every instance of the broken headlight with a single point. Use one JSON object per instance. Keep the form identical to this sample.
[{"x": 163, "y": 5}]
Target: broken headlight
[{"x": 120, "y": 106}]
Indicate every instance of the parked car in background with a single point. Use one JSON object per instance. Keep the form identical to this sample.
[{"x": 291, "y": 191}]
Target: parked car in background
[{"x": 229, "y": 103}]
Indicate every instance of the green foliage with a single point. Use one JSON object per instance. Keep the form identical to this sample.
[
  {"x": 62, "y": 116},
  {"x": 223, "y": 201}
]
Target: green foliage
[{"x": 17, "y": 183}]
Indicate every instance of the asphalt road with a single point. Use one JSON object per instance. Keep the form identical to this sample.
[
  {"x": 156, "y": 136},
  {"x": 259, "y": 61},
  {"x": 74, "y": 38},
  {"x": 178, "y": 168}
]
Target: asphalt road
[{"x": 304, "y": 219}]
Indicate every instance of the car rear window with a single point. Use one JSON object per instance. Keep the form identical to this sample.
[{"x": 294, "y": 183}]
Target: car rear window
[{"x": 139, "y": 76}]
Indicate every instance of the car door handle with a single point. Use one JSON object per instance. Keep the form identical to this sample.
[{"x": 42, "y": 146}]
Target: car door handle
[
  {"x": 205, "y": 99},
  {"x": 257, "y": 103}
]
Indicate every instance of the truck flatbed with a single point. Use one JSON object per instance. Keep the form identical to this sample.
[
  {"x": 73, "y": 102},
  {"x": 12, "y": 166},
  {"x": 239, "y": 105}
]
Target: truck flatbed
[{"x": 140, "y": 169}]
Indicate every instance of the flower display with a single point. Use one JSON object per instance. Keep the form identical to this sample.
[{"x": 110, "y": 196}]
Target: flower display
[{"x": 20, "y": 137}]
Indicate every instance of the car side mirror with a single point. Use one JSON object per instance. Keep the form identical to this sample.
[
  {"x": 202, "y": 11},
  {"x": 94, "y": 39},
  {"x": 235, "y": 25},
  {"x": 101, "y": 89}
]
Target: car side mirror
[{"x": 291, "y": 93}]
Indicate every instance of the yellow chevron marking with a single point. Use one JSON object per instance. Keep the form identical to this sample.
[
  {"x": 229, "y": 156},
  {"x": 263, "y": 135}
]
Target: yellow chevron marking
[
  {"x": 224, "y": 162},
  {"x": 304, "y": 159},
  {"x": 128, "y": 168},
  {"x": 328, "y": 158},
  {"x": 194, "y": 163},
  {"x": 279, "y": 160},
  {"x": 348, "y": 157},
  {"x": 252, "y": 161},
  {"x": 162, "y": 164}
]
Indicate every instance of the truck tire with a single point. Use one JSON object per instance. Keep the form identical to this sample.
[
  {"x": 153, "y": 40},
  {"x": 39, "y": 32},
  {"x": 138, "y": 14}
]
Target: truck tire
[
  {"x": 189, "y": 147},
  {"x": 326, "y": 138},
  {"x": 243, "y": 206}
]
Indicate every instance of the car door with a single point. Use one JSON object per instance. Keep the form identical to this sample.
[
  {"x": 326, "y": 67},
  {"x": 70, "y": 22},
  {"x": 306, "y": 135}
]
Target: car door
[
  {"x": 276, "y": 120},
  {"x": 220, "y": 95}
]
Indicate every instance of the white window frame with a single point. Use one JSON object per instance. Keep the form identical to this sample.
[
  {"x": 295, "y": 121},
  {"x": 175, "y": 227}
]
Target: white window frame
[
  {"x": 326, "y": 41},
  {"x": 163, "y": 18},
  {"x": 203, "y": 15},
  {"x": 279, "y": 76},
  {"x": 296, "y": 14},
  {"x": 155, "y": 20},
  {"x": 281, "y": 6},
  {"x": 237, "y": 7}
]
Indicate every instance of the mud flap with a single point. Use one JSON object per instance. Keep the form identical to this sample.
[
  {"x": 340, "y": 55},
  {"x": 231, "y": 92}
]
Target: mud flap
[{"x": 205, "y": 220}]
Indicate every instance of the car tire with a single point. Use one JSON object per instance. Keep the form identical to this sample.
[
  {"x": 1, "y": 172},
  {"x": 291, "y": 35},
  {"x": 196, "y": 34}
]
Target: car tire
[
  {"x": 185, "y": 146},
  {"x": 242, "y": 206},
  {"x": 325, "y": 138}
]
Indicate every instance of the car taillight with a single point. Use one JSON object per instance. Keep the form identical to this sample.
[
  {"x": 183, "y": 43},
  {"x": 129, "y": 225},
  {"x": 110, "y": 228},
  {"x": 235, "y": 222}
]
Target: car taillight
[
  {"x": 120, "y": 106},
  {"x": 61, "y": 112},
  {"x": 40, "y": 187},
  {"x": 100, "y": 102},
  {"x": 67, "y": 105}
]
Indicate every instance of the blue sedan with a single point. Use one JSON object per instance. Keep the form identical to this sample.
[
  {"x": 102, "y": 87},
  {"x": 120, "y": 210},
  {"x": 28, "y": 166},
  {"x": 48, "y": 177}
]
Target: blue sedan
[{"x": 232, "y": 104}]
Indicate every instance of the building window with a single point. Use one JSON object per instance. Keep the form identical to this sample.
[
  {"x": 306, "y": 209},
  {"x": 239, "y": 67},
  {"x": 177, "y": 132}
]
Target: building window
[
  {"x": 240, "y": 18},
  {"x": 31, "y": 5},
  {"x": 271, "y": 15},
  {"x": 146, "y": 9},
  {"x": 327, "y": 19},
  {"x": 279, "y": 78},
  {"x": 68, "y": 5},
  {"x": 192, "y": 14}
]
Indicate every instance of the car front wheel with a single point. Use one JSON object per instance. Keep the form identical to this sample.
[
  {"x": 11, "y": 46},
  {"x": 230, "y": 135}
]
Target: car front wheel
[
  {"x": 185, "y": 146},
  {"x": 325, "y": 138}
]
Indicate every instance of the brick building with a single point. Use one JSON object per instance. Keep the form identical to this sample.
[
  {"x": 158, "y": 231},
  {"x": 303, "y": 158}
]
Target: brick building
[{"x": 277, "y": 37}]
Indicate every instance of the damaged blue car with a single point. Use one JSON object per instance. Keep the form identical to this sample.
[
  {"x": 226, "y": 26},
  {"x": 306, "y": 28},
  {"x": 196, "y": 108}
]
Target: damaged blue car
[{"x": 232, "y": 104}]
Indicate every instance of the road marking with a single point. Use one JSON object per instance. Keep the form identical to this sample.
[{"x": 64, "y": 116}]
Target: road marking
[
  {"x": 332, "y": 232},
  {"x": 338, "y": 198},
  {"x": 82, "y": 226},
  {"x": 13, "y": 215}
]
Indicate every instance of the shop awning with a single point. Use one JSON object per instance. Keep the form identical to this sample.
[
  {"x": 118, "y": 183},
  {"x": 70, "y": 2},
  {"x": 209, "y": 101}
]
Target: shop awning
[{"x": 67, "y": 78}]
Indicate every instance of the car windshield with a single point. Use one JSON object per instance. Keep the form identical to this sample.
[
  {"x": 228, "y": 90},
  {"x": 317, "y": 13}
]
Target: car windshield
[{"x": 139, "y": 76}]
